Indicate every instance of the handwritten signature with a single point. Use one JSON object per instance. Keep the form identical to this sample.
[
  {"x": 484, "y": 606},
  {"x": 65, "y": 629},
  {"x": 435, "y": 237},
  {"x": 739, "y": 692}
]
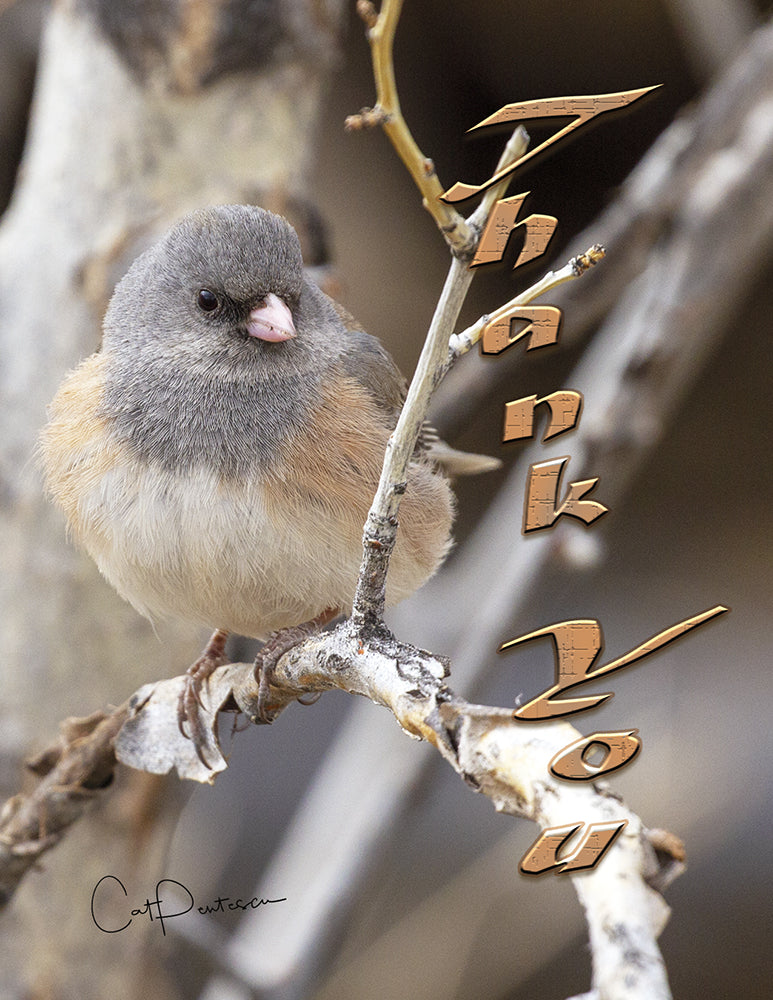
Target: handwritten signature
[{"x": 164, "y": 906}]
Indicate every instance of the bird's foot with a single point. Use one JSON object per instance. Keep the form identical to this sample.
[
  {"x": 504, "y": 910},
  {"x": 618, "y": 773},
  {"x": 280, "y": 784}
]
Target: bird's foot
[
  {"x": 189, "y": 702},
  {"x": 274, "y": 648}
]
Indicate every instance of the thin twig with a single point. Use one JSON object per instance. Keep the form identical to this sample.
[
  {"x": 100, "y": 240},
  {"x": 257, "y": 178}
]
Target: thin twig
[
  {"x": 381, "y": 527},
  {"x": 458, "y": 233},
  {"x": 514, "y": 149},
  {"x": 462, "y": 342}
]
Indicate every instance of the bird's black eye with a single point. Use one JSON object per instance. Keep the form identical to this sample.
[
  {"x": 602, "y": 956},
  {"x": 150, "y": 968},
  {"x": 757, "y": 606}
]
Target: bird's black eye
[{"x": 207, "y": 301}]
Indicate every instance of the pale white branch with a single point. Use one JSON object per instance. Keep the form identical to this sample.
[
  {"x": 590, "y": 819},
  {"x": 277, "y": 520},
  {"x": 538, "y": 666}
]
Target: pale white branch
[{"x": 498, "y": 756}]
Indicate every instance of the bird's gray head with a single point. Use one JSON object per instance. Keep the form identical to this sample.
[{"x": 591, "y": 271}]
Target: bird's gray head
[
  {"x": 223, "y": 280},
  {"x": 214, "y": 343}
]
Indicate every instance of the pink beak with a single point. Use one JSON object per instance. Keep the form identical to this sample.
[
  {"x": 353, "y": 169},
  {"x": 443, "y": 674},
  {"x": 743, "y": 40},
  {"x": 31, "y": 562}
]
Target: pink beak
[{"x": 271, "y": 321}]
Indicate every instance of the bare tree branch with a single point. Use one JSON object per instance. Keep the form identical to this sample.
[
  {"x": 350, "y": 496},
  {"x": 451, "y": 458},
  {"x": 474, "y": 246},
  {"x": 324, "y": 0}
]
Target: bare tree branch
[
  {"x": 504, "y": 761},
  {"x": 459, "y": 235},
  {"x": 75, "y": 771}
]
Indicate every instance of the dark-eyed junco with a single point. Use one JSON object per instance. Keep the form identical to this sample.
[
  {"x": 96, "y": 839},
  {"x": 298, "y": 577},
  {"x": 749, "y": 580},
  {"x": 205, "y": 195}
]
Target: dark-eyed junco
[{"x": 218, "y": 457}]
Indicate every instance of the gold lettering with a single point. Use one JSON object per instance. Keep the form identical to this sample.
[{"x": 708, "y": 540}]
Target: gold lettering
[
  {"x": 576, "y": 644},
  {"x": 572, "y": 763},
  {"x": 596, "y": 839},
  {"x": 541, "y": 507},
  {"x": 564, "y": 409},
  {"x": 541, "y": 329},
  {"x": 502, "y": 224},
  {"x": 581, "y": 109}
]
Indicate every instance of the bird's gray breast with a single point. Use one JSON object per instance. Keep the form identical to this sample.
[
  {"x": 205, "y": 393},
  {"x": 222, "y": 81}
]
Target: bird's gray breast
[{"x": 226, "y": 421}]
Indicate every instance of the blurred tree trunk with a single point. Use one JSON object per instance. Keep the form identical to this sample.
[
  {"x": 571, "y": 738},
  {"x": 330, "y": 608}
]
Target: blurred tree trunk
[{"x": 141, "y": 112}]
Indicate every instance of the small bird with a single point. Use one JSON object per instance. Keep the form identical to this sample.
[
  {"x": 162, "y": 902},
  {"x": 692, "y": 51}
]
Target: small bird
[{"x": 218, "y": 456}]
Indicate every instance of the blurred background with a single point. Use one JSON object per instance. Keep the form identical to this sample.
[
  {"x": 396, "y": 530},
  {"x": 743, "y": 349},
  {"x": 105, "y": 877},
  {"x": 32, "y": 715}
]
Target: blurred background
[{"x": 399, "y": 879}]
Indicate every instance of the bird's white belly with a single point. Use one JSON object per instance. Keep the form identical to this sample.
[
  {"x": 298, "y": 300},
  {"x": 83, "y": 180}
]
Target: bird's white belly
[{"x": 207, "y": 551}]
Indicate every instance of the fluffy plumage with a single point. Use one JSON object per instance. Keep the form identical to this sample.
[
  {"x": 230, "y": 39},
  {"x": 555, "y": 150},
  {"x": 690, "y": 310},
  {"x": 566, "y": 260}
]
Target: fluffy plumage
[{"x": 222, "y": 478}]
